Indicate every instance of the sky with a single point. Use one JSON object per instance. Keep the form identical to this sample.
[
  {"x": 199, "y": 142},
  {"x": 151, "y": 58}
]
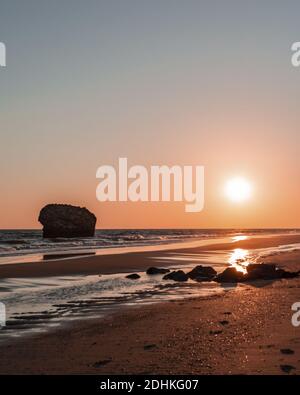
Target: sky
[{"x": 161, "y": 82}]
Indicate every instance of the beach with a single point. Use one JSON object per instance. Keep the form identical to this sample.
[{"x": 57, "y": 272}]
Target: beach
[
  {"x": 122, "y": 260},
  {"x": 241, "y": 329}
]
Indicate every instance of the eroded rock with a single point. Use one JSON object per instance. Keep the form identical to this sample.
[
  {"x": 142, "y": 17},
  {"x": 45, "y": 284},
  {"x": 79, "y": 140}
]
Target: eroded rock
[{"x": 64, "y": 220}]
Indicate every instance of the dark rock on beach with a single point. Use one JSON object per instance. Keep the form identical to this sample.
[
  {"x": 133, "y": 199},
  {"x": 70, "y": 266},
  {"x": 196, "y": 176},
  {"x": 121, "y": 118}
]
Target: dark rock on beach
[
  {"x": 262, "y": 272},
  {"x": 230, "y": 275},
  {"x": 178, "y": 275},
  {"x": 287, "y": 351},
  {"x": 64, "y": 220},
  {"x": 284, "y": 274},
  {"x": 133, "y": 276},
  {"x": 157, "y": 270},
  {"x": 255, "y": 272},
  {"x": 202, "y": 273}
]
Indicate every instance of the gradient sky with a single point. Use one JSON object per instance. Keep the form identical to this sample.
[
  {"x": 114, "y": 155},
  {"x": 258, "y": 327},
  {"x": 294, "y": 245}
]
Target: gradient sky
[{"x": 160, "y": 82}]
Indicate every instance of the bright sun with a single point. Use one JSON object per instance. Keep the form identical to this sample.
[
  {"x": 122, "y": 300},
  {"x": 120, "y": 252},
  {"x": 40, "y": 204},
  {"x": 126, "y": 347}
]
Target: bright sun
[{"x": 238, "y": 189}]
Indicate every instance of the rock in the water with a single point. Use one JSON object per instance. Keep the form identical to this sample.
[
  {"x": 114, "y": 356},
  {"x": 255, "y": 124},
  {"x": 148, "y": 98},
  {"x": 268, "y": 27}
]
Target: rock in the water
[
  {"x": 202, "y": 273},
  {"x": 64, "y": 220},
  {"x": 157, "y": 270},
  {"x": 178, "y": 275},
  {"x": 133, "y": 276},
  {"x": 230, "y": 275}
]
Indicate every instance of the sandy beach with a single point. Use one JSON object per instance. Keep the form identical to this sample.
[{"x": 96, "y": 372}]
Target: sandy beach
[
  {"x": 246, "y": 329},
  {"x": 236, "y": 333},
  {"x": 122, "y": 261}
]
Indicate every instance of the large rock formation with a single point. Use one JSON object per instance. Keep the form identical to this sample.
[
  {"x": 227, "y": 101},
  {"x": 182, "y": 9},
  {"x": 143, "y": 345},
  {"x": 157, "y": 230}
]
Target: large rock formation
[{"x": 64, "y": 220}]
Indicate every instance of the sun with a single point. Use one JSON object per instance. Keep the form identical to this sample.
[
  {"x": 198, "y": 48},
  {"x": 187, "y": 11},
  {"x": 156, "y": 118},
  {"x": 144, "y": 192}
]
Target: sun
[{"x": 238, "y": 189}]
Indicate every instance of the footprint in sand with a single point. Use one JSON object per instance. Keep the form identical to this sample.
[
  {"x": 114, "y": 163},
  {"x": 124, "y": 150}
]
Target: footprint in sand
[
  {"x": 287, "y": 351},
  {"x": 287, "y": 368},
  {"x": 149, "y": 346}
]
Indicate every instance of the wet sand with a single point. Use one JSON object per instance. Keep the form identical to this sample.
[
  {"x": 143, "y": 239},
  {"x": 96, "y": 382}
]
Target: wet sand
[{"x": 246, "y": 330}]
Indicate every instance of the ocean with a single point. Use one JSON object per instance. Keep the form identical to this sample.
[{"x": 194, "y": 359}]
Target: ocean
[{"x": 15, "y": 243}]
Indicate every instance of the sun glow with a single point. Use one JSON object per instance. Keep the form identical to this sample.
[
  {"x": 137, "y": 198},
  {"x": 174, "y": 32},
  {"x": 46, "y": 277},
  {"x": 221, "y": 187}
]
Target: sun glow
[
  {"x": 239, "y": 259},
  {"x": 238, "y": 189}
]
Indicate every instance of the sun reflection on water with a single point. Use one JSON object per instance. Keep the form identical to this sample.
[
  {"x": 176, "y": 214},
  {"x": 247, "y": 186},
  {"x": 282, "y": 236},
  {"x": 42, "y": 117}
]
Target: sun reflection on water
[{"x": 239, "y": 259}]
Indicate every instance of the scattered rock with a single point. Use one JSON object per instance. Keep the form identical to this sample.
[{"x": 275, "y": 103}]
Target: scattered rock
[
  {"x": 263, "y": 271},
  {"x": 202, "y": 273},
  {"x": 64, "y": 220},
  {"x": 287, "y": 351},
  {"x": 230, "y": 275},
  {"x": 287, "y": 368},
  {"x": 157, "y": 270},
  {"x": 133, "y": 276},
  {"x": 257, "y": 271},
  {"x": 178, "y": 275}
]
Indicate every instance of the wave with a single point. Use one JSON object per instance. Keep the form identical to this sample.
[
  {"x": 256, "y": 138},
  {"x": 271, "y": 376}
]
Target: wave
[{"x": 22, "y": 242}]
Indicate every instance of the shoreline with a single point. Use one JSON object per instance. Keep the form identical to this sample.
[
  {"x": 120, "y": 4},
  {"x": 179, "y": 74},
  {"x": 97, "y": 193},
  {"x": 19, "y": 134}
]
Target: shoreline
[{"x": 127, "y": 262}]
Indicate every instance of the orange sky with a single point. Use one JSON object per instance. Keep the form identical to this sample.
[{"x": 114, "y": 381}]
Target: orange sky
[{"x": 173, "y": 84}]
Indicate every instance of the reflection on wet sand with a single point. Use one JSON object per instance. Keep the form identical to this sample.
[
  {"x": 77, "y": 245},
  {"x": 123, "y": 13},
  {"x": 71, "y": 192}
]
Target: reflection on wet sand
[
  {"x": 239, "y": 258},
  {"x": 240, "y": 238}
]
